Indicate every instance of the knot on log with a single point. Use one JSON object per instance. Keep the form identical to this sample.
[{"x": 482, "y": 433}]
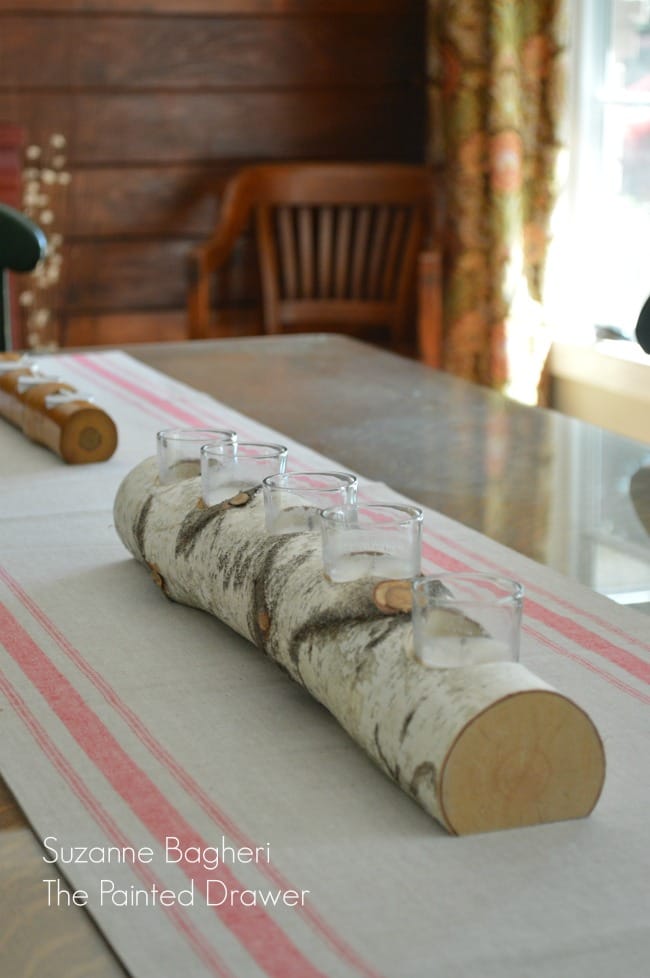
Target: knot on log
[
  {"x": 157, "y": 578},
  {"x": 393, "y": 597}
]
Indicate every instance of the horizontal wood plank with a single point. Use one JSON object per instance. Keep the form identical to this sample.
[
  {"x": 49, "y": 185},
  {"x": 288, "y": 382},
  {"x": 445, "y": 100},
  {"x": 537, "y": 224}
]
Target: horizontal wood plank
[
  {"x": 145, "y": 201},
  {"x": 121, "y": 328},
  {"x": 208, "y": 53},
  {"x": 108, "y": 276},
  {"x": 118, "y": 329},
  {"x": 173, "y": 128},
  {"x": 183, "y": 8},
  {"x": 128, "y": 275}
]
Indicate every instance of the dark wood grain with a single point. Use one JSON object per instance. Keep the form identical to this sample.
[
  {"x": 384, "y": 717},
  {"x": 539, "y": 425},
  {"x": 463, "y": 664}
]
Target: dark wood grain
[
  {"x": 206, "y": 53},
  {"x": 163, "y": 127},
  {"x": 145, "y": 201},
  {"x": 141, "y": 274},
  {"x": 113, "y": 329},
  {"x": 119, "y": 328},
  {"x": 221, "y": 7},
  {"x": 161, "y": 100},
  {"x": 147, "y": 274}
]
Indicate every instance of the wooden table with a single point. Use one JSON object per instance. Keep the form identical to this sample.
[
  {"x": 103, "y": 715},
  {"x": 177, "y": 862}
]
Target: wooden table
[{"x": 548, "y": 486}]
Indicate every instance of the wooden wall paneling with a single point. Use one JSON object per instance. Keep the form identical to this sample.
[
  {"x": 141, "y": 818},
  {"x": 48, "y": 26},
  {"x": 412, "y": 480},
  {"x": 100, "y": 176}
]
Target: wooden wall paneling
[
  {"x": 167, "y": 128},
  {"x": 161, "y": 100},
  {"x": 110, "y": 275},
  {"x": 177, "y": 200},
  {"x": 204, "y": 53},
  {"x": 12, "y": 140},
  {"x": 111, "y": 329},
  {"x": 262, "y": 8},
  {"x": 106, "y": 276}
]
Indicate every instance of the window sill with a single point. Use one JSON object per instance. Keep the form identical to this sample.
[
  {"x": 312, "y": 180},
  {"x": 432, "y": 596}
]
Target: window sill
[{"x": 606, "y": 383}]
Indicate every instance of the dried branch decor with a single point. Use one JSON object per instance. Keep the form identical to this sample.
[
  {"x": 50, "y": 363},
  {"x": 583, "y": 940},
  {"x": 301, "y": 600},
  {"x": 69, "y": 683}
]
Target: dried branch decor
[
  {"x": 480, "y": 748},
  {"x": 45, "y": 176}
]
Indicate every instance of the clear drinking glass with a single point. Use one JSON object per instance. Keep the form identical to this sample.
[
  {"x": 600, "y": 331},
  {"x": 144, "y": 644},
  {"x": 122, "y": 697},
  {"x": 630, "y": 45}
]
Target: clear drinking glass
[
  {"x": 179, "y": 451},
  {"x": 229, "y": 468},
  {"x": 466, "y": 619},
  {"x": 378, "y": 540},
  {"x": 293, "y": 500}
]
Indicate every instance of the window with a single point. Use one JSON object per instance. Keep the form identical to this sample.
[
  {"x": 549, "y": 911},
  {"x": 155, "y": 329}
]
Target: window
[{"x": 607, "y": 263}]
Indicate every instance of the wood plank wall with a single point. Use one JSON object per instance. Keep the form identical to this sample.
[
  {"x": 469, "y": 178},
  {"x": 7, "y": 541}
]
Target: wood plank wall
[{"x": 160, "y": 100}]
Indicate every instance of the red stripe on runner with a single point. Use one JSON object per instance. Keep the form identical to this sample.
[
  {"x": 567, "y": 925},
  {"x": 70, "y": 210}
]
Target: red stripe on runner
[
  {"x": 103, "y": 819},
  {"x": 133, "y": 400},
  {"x": 163, "y": 403},
  {"x": 257, "y": 932},
  {"x": 637, "y": 694},
  {"x": 167, "y": 760}
]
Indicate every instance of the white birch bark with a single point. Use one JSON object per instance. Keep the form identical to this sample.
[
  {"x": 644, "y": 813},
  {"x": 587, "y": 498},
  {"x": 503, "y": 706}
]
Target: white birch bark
[{"x": 479, "y": 748}]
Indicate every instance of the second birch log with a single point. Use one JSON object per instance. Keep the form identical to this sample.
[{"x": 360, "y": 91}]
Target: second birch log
[
  {"x": 74, "y": 428},
  {"x": 480, "y": 748}
]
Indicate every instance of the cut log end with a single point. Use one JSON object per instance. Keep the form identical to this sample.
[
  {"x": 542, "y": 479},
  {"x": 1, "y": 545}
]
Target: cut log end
[
  {"x": 532, "y": 757},
  {"x": 88, "y": 435}
]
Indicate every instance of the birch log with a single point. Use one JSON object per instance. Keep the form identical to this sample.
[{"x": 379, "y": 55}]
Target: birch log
[
  {"x": 76, "y": 429},
  {"x": 479, "y": 748}
]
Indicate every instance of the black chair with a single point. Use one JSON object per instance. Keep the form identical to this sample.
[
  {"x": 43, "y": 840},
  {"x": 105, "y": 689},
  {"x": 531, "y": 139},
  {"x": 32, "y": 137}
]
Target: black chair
[
  {"x": 22, "y": 245},
  {"x": 642, "y": 331}
]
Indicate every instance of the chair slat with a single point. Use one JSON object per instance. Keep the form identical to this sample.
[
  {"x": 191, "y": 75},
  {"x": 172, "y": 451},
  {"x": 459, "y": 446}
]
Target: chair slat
[
  {"x": 393, "y": 252},
  {"x": 377, "y": 251},
  {"x": 325, "y": 251},
  {"x": 287, "y": 253},
  {"x": 360, "y": 251},
  {"x": 306, "y": 252},
  {"x": 267, "y": 236},
  {"x": 342, "y": 252},
  {"x": 405, "y": 275}
]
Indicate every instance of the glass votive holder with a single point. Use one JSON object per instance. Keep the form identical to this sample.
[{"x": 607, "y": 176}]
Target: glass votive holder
[
  {"x": 376, "y": 540},
  {"x": 179, "y": 451},
  {"x": 293, "y": 500},
  {"x": 229, "y": 468},
  {"x": 466, "y": 619}
]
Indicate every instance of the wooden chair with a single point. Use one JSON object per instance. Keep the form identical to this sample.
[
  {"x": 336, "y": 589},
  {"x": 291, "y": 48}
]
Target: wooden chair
[{"x": 337, "y": 246}]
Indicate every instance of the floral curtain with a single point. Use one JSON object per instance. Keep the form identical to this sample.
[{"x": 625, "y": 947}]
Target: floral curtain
[{"x": 496, "y": 96}]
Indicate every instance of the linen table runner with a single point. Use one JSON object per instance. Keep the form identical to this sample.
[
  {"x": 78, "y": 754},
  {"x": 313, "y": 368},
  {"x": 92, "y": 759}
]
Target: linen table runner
[{"x": 131, "y": 722}]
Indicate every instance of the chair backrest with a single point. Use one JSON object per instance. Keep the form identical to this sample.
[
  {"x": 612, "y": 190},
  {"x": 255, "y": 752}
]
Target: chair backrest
[
  {"x": 22, "y": 245},
  {"x": 337, "y": 242}
]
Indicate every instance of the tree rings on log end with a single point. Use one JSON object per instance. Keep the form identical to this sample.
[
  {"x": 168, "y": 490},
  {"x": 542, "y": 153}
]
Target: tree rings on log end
[
  {"x": 530, "y": 758},
  {"x": 88, "y": 434}
]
